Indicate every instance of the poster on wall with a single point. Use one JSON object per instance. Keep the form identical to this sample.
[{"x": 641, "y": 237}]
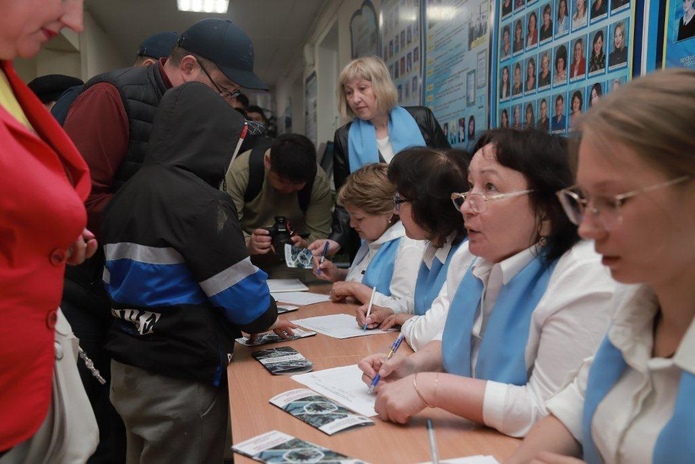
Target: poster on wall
[
  {"x": 456, "y": 67},
  {"x": 402, "y": 48},
  {"x": 679, "y": 34},
  {"x": 555, "y": 58},
  {"x": 364, "y": 33},
  {"x": 311, "y": 89}
]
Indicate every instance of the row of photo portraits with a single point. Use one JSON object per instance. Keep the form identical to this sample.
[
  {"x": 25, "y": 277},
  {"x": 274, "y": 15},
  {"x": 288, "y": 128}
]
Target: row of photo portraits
[
  {"x": 566, "y": 62},
  {"x": 551, "y": 20},
  {"x": 555, "y": 112}
]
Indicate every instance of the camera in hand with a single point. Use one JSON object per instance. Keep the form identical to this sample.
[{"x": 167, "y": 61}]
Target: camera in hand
[{"x": 280, "y": 234}]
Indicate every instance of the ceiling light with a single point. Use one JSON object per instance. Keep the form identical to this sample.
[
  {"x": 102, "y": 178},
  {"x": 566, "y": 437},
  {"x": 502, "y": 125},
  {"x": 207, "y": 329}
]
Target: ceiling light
[{"x": 204, "y": 6}]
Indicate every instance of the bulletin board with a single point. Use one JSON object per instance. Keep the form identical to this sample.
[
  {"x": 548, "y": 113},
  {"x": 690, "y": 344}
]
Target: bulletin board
[
  {"x": 456, "y": 67},
  {"x": 554, "y": 58},
  {"x": 402, "y": 48},
  {"x": 679, "y": 34}
]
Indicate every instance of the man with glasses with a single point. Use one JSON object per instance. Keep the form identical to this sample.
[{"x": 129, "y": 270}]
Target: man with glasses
[{"x": 110, "y": 123}]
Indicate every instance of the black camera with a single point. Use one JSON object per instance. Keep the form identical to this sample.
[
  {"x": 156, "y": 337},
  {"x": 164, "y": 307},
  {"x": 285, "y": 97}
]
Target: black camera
[{"x": 280, "y": 234}]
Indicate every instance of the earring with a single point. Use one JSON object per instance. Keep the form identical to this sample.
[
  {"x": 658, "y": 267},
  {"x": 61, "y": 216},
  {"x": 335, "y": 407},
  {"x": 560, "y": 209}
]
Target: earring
[{"x": 543, "y": 241}]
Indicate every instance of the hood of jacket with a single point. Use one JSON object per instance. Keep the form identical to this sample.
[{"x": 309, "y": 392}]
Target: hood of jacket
[{"x": 195, "y": 130}]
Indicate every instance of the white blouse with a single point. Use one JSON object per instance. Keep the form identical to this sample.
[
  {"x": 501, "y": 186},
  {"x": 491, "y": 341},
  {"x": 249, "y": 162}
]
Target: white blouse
[
  {"x": 420, "y": 330},
  {"x": 567, "y": 326},
  {"x": 628, "y": 420},
  {"x": 405, "y": 270}
]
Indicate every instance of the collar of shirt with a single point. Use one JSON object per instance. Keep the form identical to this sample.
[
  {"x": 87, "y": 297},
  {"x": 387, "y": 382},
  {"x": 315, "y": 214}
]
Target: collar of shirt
[
  {"x": 441, "y": 253},
  {"x": 393, "y": 232},
  {"x": 509, "y": 267}
]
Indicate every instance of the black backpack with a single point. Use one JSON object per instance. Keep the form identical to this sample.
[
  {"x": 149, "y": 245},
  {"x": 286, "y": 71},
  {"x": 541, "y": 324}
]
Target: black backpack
[{"x": 257, "y": 175}]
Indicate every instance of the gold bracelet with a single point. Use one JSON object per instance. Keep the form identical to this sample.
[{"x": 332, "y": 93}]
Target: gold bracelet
[{"x": 418, "y": 392}]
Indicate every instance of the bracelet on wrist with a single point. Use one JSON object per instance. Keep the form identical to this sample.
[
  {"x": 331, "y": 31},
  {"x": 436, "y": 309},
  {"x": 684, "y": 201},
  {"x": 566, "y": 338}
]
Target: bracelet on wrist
[{"x": 418, "y": 392}]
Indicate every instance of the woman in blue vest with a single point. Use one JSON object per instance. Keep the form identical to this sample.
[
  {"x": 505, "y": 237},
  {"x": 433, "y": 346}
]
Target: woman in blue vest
[
  {"x": 531, "y": 307},
  {"x": 387, "y": 259},
  {"x": 424, "y": 179},
  {"x": 379, "y": 129},
  {"x": 635, "y": 400}
]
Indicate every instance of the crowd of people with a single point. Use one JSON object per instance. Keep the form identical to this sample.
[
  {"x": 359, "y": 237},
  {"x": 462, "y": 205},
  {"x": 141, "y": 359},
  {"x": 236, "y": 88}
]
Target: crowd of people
[{"x": 543, "y": 283}]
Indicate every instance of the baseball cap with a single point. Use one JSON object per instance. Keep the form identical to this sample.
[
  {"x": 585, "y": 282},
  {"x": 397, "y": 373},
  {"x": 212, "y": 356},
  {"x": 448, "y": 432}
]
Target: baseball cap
[
  {"x": 48, "y": 88},
  {"x": 225, "y": 44},
  {"x": 158, "y": 45}
]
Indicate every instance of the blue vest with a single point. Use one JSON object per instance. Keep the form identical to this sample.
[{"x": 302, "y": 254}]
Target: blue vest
[
  {"x": 430, "y": 281},
  {"x": 501, "y": 355},
  {"x": 676, "y": 441},
  {"x": 379, "y": 272}
]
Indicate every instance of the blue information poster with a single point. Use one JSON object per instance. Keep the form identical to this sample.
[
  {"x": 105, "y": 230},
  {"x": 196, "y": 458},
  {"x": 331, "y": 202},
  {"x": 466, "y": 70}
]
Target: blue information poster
[
  {"x": 402, "y": 48},
  {"x": 679, "y": 34},
  {"x": 556, "y": 57},
  {"x": 457, "y": 44}
]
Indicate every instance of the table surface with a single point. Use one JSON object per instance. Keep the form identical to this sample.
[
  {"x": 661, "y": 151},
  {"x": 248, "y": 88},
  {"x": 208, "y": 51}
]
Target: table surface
[{"x": 251, "y": 386}]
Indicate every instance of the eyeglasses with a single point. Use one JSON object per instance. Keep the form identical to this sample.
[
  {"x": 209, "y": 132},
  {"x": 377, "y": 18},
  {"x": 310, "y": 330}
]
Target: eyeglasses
[
  {"x": 478, "y": 201},
  {"x": 397, "y": 200},
  {"x": 605, "y": 209},
  {"x": 226, "y": 94}
]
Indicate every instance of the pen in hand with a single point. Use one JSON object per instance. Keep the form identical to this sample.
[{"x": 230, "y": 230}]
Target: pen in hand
[
  {"x": 392, "y": 351},
  {"x": 323, "y": 256},
  {"x": 433, "y": 442},
  {"x": 369, "y": 309}
]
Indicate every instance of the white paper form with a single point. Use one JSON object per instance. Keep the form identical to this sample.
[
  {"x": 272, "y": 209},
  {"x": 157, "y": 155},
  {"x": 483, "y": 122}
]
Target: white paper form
[
  {"x": 337, "y": 326},
  {"x": 286, "y": 285},
  {"x": 343, "y": 385},
  {"x": 300, "y": 298}
]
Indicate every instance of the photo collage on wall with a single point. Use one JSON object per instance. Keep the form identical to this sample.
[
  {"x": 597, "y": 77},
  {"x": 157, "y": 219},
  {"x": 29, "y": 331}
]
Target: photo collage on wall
[
  {"x": 557, "y": 57},
  {"x": 402, "y": 49}
]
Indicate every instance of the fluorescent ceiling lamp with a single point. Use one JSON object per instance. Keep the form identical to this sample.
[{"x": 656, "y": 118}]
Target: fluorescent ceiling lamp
[{"x": 204, "y": 6}]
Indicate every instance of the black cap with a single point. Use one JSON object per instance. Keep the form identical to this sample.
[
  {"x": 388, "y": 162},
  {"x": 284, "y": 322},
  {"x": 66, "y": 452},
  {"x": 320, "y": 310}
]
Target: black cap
[
  {"x": 226, "y": 45},
  {"x": 51, "y": 86},
  {"x": 158, "y": 45}
]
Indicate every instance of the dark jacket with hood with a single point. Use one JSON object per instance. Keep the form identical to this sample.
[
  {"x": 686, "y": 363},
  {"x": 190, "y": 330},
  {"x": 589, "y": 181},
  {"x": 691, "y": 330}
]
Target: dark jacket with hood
[{"x": 178, "y": 273}]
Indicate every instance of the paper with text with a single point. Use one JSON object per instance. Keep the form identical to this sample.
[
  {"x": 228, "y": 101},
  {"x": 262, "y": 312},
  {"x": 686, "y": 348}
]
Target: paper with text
[
  {"x": 343, "y": 385},
  {"x": 337, "y": 326}
]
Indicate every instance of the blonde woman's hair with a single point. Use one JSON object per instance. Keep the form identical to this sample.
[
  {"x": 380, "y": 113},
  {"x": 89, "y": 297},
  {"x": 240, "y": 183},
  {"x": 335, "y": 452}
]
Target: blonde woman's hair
[
  {"x": 654, "y": 116},
  {"x": 374, "y": 70},
  {"x": 369, "y": 189}
]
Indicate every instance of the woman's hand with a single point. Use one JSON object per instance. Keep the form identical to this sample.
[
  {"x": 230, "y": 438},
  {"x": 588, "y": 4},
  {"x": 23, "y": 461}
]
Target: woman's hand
[
  {"x": 298, "y": 241},
  {"x": 316, "y": 247},
  {"x": 394, "y": 320},
  {"x": 342, "y": 290},
  {"x": 376, "y": 317},
  {"x": 84, "y": 248},
  {"x": 397, "y": 401}
]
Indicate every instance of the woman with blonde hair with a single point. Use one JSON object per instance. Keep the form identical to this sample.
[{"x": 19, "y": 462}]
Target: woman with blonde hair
[
  {"x": 378, "y": 131},
  {"x": 634, "y": 197},
  {"x": 387, "y": 258}
]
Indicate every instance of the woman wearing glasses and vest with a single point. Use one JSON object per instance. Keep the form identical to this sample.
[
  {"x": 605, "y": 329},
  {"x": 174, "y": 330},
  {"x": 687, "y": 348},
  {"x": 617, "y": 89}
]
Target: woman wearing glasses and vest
[
  {"x": 387, "y": 258},
  {"x": 635, "y": 197},
  {"x": 530, "y": 308},
  {"x": 424, "y": 179}
]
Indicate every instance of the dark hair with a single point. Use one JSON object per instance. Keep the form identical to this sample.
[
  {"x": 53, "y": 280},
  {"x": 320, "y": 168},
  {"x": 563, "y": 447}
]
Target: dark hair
[
  {"x": 577, "y": 94},
  {"x": 543, "y": 159},
  {"x": 244, "y": 100},
  {"x": 547, "y": 9},
  {"x": 256, "y": 109},
  {"x": 426, "y": 178},
  {"x": 598, "y": 34},
  {"x": 293, "y": 156},
  {"x": 561, "y": 53}
]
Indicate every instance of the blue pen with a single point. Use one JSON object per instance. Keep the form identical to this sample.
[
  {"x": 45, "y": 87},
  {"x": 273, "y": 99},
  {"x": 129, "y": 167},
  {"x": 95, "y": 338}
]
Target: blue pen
[
  {"x": 323, "y": 256},
  {"x": 392, "y": 351}
]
